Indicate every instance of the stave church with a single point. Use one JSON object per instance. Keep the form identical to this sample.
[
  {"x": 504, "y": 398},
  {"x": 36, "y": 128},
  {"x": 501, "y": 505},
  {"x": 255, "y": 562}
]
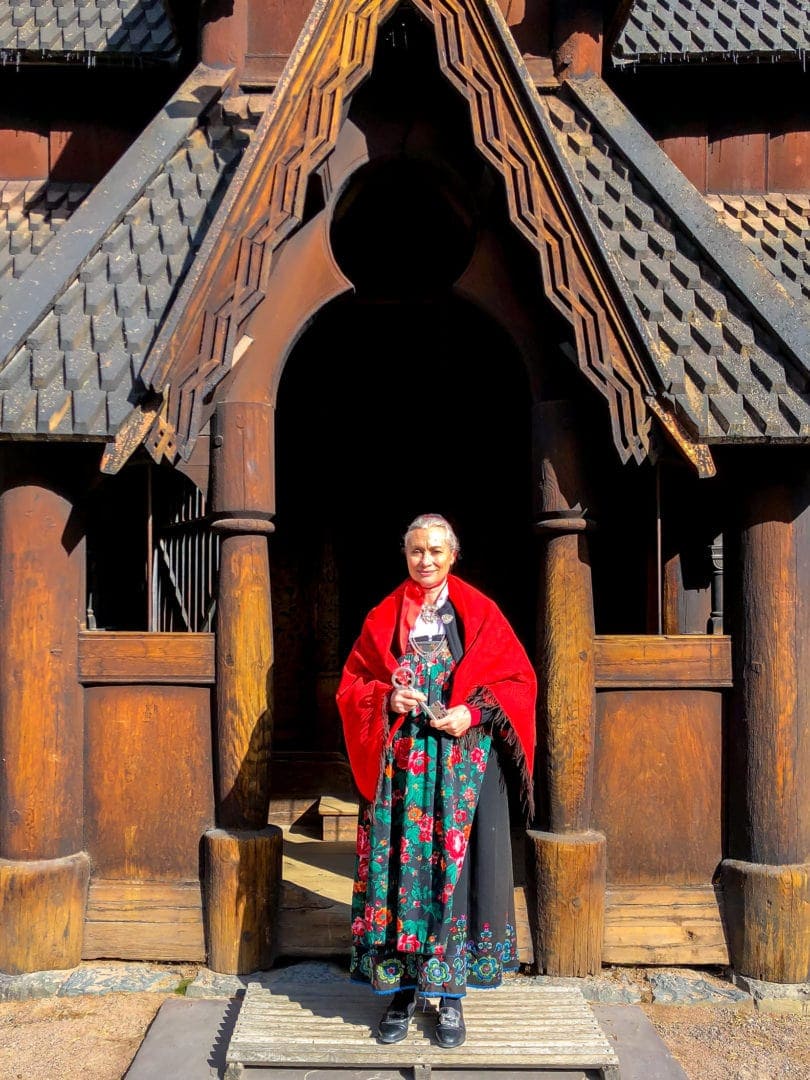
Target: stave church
[{"x": 274, "y": 279}]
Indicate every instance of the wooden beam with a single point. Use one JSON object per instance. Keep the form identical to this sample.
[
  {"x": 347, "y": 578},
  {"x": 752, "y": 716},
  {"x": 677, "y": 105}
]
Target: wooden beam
[
  {"x": 649, "y": 662},
  {"x": 107, "y": 657},
  {"x": 132, "y": 919},
  {"x": 665, "y": 924}
]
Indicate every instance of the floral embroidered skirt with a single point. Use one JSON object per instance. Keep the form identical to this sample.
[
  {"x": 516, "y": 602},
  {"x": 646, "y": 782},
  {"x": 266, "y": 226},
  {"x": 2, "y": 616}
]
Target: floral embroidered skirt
[{"x": 433, "y": 904}]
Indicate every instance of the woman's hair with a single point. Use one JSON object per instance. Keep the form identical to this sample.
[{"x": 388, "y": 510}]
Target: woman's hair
[{"x": 434, "y": 521}]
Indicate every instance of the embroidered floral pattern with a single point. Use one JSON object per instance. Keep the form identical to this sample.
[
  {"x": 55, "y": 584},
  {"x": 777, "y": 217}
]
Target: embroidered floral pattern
[{"x": 409, "y": 858}]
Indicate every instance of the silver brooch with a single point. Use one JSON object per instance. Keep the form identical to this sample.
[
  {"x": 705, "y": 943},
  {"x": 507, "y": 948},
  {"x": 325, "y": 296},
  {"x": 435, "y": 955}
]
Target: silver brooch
[{"x": 447, "y": 618}]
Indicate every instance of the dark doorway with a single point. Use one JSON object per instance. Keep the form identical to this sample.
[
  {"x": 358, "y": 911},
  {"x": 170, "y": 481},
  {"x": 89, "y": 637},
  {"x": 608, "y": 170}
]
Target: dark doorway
[{"x": 386, "y": 411}]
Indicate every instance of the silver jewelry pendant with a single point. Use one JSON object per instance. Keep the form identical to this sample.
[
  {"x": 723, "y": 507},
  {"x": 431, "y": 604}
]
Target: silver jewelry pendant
[{"x": 429, "y": 613}]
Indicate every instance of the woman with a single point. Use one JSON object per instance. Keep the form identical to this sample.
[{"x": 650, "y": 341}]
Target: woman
[{"x": 436, "y": 693}]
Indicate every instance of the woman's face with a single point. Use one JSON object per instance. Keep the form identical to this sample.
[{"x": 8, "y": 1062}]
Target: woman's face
[{"x": 429, "y": 556}]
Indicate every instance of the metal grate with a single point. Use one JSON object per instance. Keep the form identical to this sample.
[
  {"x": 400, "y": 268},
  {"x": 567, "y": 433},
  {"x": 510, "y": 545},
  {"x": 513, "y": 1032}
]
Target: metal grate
[
  {"x": 321, "y": 1025},
  {"x": 185, "y": 563}
]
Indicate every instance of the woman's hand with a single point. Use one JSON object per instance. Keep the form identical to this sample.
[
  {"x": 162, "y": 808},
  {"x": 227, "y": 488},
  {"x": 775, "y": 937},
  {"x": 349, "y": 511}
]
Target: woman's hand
[
  {"x": 454, "y": 722},
  {"x": 403, "y": 699}
]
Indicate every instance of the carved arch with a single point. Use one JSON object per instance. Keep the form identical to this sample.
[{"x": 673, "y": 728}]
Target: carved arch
[{"x": 335, "y": 52}]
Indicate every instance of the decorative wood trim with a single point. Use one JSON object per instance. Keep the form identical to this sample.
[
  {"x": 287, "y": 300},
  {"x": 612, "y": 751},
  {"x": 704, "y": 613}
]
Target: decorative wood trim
[
  {"x": 665, "y": 924},
  {"x": 132, "y": 657},
  {"x": 333, "y": 56},
  {"x": 639, "y": 661},
  {"x": 128, "y": 920}
]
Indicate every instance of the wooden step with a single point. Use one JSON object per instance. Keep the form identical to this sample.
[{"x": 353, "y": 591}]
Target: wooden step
[
  {"x": 316, "y": 900},
  {"x": 338, "y": 818},
  {"x": 318, "y": 1026}
]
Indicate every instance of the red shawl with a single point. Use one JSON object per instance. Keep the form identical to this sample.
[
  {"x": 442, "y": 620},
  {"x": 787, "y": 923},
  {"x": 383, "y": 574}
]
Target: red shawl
[{"x": 494, "y": 672}]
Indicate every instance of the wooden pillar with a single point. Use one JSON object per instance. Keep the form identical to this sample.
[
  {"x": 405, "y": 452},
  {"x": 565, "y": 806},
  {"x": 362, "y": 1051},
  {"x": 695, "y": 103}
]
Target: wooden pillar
[
  {"x": 566, "y": 860},
  {"x": 43, "y": 871},
  {"x": 767, "y": 878},
  {"x": 243, "y": 856}
]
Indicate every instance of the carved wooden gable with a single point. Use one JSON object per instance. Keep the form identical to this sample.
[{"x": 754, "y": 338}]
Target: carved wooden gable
[{"x": 212, "y": 315}]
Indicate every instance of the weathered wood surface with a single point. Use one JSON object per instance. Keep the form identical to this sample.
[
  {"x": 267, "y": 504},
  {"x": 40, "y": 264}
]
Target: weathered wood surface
[
  {"x": 320, "y": 1026},
  {"x": 662, "y": 662},
  {"x": 149, "y": 780},
  {"x": 565, "y": 880},
  {"x": 658, "y": 794},
  {"x": 665, "y": 924},
  {"x": 242, "y": 888},
  {"x": 244, "y": 673},
  {"x": 766, "y": 876},
  {"x": 133, "y": 920},
  {"x": 42, "y": 904},
  {"x": 131, "y": 657},
  {"x": 41, "y": 586},
  {"x": 566, "y": 694},
  {"x": 770, "y": 795},
  {"x": 769, "y": 920},
  {"x": 565, "y": 868}
]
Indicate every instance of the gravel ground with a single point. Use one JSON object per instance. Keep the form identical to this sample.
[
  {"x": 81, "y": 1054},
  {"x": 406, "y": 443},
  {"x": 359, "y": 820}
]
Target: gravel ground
[
  {"x": 720, "y": 1043},
  {"x": 95, "y": 1038}
]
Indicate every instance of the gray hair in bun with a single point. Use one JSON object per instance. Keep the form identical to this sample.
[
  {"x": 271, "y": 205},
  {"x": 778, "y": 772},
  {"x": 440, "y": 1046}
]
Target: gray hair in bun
[{"x": 434, "y": 521}]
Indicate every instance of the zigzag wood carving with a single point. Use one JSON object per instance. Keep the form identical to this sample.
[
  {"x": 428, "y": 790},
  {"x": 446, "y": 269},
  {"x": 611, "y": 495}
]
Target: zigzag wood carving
[{"x": 333, "y": 56}]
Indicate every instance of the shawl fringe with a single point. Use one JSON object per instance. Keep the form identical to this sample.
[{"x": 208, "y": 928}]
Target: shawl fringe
[{"x": 482, "y": 698}]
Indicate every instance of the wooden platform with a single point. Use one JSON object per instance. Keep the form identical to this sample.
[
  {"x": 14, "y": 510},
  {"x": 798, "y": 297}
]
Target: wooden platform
[{"x": 333, "y": 1025}]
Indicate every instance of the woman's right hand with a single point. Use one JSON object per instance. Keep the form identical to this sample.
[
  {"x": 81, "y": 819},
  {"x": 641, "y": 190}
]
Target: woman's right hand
[{"x": 403, "y": 699}]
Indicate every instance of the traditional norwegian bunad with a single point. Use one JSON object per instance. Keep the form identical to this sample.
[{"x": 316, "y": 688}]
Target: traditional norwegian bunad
[{"x": 433, "y": 904}]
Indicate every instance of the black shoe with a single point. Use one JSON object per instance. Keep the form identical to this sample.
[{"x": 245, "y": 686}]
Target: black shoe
[
  {"x": 450, "y": 1030},
  {"x": 394, "y": 1024}
]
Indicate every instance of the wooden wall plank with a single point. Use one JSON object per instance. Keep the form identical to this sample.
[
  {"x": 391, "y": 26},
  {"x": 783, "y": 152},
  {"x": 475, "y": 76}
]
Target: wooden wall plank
[
  {"x": 665, "y": 925},
  {"x": 133, "y": 920},
  {"x": 24, "y": 153},
  {"x": 658, "y": 785},
  {"x": 789, "y": 161},
  {"x": 134, "y": 657},
  {"x": 737, "y": 162},
  {"x": 649, "y": 661},
  {"x": 149, "y": 780},
  {"x": 689, "y": 152}
]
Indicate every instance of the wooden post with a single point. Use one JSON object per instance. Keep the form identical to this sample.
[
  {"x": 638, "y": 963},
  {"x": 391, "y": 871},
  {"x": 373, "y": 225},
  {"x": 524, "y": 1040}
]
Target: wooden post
[
  {"x": 243, "y": 864},
  {"x": 566, "y": 860},
  {"x": 43, "y": 871},
  {"x": 767, "y": 894}
]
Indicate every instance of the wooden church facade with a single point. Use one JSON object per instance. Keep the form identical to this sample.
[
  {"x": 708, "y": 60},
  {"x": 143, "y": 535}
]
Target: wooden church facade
[{"x": 543, "y": 270}]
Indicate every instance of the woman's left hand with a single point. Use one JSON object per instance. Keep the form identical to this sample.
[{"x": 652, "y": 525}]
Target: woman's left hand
[{"x": 454, "y": 722}]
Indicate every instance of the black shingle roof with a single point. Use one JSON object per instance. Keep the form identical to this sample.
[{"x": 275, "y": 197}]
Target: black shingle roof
[
  {"x": 31, "y": 211},
  {"x": 776, "y": 228},
  {"x": 730, "y": 351},
  {"x": 73, "y": 29},
  {"x": 653, "y": 31},
  {"x": 76, "y": 327}
]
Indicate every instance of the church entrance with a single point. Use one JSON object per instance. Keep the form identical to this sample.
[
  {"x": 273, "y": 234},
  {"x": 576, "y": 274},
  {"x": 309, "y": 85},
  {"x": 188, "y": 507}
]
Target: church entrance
[{"x": 387, "y": 410}]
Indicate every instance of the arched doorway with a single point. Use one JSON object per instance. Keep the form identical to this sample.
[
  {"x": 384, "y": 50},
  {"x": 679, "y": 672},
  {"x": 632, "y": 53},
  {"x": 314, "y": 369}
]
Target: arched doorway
[{"x": 387, "y": 410}]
